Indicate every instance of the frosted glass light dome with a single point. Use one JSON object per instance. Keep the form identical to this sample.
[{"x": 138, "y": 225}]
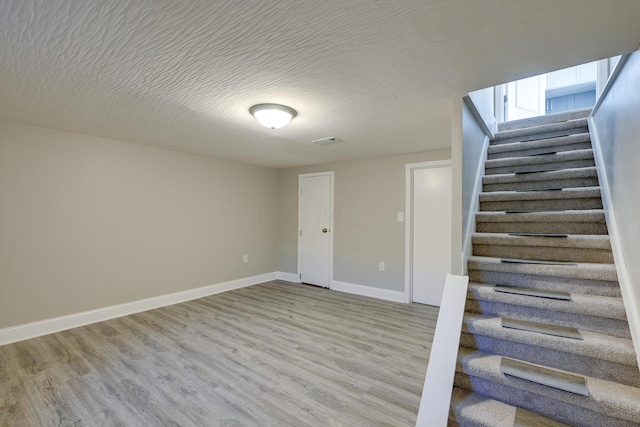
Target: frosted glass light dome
[{"x": 273, "y": 116}]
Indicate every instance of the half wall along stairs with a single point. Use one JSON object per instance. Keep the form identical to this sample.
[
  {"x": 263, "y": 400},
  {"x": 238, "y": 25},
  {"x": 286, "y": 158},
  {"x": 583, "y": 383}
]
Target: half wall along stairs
[{"x": 545, "y": 338}]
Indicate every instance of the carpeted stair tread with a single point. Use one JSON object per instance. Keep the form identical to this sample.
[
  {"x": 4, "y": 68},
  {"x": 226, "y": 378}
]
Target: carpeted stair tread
[
  {"x": 601, "y": 242},
  {"x": 593, "y": 286},
  {"x": 546, "y": 204},
  {"x": 564, "y": 178},
  {"x": 586, "y": 215},
  {"x": 563, "y": 160},
  {"x": 568, "y": 248},
  {"x": 590, "y": 271},
  {"x": 608, "y": 403},
  {"x": 540, "y": 132},
  {"x": 593, "y": 345},
  {"x": 569, "y": 193},
  {"x": 473, "y": 410},
  {"x": 469, "y": 409},
  {"x": 544, "y": 120},
  {"x": 583, "y": 278},
  {"x": 565, "y": 222},
  {"x": 583, "y": 321},
  {"x": 599, "y": 314},
  {"x": 583, "y": 154},
  {"x": 536, "y": 293},
  {"x": 553, "y": 200},
  {"x": 542, "y": 328},
  {"x": 538, "y": 147},
  {"x": 607, "y": 307}
]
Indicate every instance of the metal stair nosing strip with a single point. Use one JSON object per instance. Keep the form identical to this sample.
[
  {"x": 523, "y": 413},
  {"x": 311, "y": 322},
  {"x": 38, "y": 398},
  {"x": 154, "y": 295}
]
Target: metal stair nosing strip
[
  {"x": 538, "y": 293},
  {"x": 535, "y": 261},
  {"x": 541, "y": 154},
  {"x": 541, "y": 328},
  {"x": 539, "y": 189},
  {"x": 549, "y": 235},
  {"x": 536, "y": 171},
  {"x": 526, "y": 211},
  {"x": 554, "y": 378},
  {"x": 524, "y": 418},
  {"x": 541, "y": 139}
]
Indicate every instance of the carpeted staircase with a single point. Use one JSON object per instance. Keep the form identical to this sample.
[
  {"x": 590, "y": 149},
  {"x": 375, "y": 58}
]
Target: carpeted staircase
[{"x": 545, "y": 339}]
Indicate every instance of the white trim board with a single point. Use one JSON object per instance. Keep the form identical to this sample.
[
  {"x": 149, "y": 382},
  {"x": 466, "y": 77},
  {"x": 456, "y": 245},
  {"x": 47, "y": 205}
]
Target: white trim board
[
  {"x": 441, "y": 369},
  {"x": 57, "y": 324},
  {"x": 368, "y": 291},
  {"x": 288, "y": 277}
]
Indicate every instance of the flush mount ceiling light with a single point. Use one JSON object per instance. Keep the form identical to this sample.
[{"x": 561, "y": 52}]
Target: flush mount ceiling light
[{"x": 273, "y": 116}]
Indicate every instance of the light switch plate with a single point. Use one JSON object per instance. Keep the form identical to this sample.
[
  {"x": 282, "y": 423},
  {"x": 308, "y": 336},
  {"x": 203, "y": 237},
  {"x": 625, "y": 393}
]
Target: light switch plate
[{"x": 400, "y": 216}]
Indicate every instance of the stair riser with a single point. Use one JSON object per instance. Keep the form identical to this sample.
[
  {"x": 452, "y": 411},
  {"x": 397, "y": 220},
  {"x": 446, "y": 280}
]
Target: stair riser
[
  {"x": 612, "y": 327},
  {"x": 542, "y": 205},
  {"x": 451, "y": 422},
  {"x": 550, "y": 283},
  {"x": 544, "y": 253},
  {"x": 546, "y": 120},
  {"x": 541, "y": 150},
  {"x": 593, "y": 272},
  {"x": 579, "y": 364},
  {"x": 552, "y": 408},
  {"x": 504, "y": 139},
  {"x": 470, "y": 409},
  {"x": 547, "y": 166},
  {"x": 543, "y": 227},
  {"x": 540, "y": 185}
]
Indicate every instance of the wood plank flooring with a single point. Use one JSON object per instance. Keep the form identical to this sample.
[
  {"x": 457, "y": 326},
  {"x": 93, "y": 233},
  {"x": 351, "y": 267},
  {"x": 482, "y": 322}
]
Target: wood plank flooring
[{"x": 275, "y": 354}]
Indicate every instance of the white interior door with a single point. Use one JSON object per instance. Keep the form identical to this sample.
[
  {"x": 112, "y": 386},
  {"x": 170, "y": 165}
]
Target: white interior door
[
  {"x": 526, "y": 98},
  {"x": 431, "y": 241},
  {"x": 315, "y": 227}
]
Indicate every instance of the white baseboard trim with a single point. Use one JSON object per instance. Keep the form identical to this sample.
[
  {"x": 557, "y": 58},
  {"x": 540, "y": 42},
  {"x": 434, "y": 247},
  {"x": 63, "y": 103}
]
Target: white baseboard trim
[
  {"x": 368, "y": 291},
  {"x": 57, "y": 324},
  {"x": 288, "y": 277}
]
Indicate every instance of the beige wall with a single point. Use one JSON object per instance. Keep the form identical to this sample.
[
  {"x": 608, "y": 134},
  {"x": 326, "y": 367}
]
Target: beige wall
[
  {"x": 87, "y": 222},
  {"x": 368, "y": 195}
]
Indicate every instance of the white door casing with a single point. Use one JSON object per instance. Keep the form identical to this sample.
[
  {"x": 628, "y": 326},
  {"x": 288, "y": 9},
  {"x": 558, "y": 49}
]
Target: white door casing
[
  {"x": 428, "y": 246},
  {"x": 315, "y": 228}
]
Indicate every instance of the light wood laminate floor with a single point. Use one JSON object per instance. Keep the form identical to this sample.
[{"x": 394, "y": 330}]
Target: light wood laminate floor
[{"x": 275, "y": 354}]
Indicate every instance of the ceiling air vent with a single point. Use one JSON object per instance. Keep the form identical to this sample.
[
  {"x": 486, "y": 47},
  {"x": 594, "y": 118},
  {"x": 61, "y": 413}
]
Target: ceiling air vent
[{"x": 326, "y": 141}]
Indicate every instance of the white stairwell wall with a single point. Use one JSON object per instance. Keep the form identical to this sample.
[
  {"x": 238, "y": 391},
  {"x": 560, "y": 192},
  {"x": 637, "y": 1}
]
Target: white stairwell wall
[
  {"x": 615, "y": 130},
  {"x": 478, "y": 127}
]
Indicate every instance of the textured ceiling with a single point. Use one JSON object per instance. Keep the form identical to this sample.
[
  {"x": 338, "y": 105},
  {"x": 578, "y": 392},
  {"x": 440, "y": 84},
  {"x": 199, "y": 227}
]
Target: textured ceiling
[{"x": 378, "y": 74}]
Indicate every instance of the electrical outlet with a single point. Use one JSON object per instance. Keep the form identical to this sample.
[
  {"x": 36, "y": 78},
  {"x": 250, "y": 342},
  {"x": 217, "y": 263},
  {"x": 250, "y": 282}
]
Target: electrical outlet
[
  {"x": 382, "y": 266},
  {"x": 245, "y": 258}
]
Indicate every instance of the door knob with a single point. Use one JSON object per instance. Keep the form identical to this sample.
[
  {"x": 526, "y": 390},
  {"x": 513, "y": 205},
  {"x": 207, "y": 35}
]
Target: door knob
[{"x": 324, "y": 230}]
